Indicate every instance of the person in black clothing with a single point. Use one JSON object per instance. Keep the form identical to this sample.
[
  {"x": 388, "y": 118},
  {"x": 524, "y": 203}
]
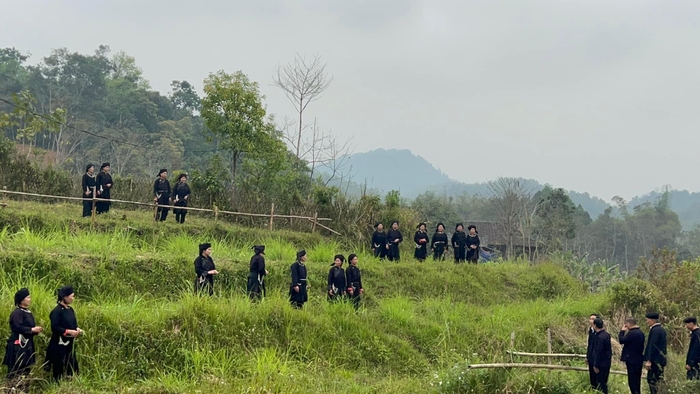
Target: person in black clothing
[
  {"x": 64, "y": 330},
  {"x": 336, "y": 279},
  {"x": 589, "y": 350},
  {"x": 459, "y": 242},
  {"x": 89, "y": 186},
  {"x": 439, "y": 244},
  {"x": 602, "y": 356},
  {"x": 161, "y": 194},
  {"x": 421, "y": 240},
  {"x": 655, "y": 353},
  {"x": 19, "y": 353},
  {"x": 692, "y": 360},
  {"x": 393, "y": 240},
  {"x": 298, "y": 289},
  {"x": 472, "y": 244},
  {"x": 205, "y": 269},
  {"x": 181, "y": 192},
  {"x": 379, "y": 245},
  {"x": 354, "y": 281},
  {"x": 632, "y": 340},
  {"x": 104, "y": 187},
  {"x": 256, "y": 278}
]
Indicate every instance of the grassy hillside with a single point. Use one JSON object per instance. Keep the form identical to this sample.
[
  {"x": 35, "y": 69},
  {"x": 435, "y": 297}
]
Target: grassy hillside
[{"x": 419, "y": 327}]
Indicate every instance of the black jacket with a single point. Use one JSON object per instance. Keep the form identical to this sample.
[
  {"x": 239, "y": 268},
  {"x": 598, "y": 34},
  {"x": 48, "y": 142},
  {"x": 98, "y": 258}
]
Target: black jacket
[
  {"x": 591, "y": 344},
  {"x": 378, "y": 239},
  {"x": 656, "y": 346},
  {"x": 602, "y": 351},
  {"x": 633, "y": 346},
  {"x": 693, "y": 358}
]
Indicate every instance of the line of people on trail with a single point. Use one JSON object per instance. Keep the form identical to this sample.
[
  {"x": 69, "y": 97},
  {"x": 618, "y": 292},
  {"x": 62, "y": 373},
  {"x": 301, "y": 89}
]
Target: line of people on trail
[
  {"x": 20, "y": 352},
  {"x": 466, "y": 246},
  {"x": 636, "y": 355},
  {"x": 342, "y": 284},
  {"x": 100, "y": 186}
]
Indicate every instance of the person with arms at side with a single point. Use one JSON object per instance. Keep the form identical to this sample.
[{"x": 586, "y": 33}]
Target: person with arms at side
[
  {"x": 298, "y": 289},
  {"x": 161, "y": 194},
  {"x": 439, "y": 243},
  {"x": 421, "y": 241},
  {"x": 459, "y": 242},
  {"x": 692, "y": 360},
  {"x": 589, "y": 350},
  {"x": 655, "y": 353},
  {"x": 205, "y": 269},
  {"x": 256, "y": 278},
  {"x": 632, "y": 340},
  {"x": 89, "y": 185},
  {"x": 394, "y": 239},
  {"x": 60, "y": 355},
  {"x": 379, "y": 241},
  {"x": 354, "y": 281},
  {"x": 336, "y": 279},
  {"x": 472, "y": 244},
  {"x": 19, "y": 353},
  {"x": 104, "y": 187},
  {"x": 181, "y": 192},
  {"x": 602, "y": 356}
]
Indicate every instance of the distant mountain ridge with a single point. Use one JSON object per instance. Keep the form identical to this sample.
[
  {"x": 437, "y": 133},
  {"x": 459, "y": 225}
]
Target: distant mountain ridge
[{"x": 383, "y": 170}]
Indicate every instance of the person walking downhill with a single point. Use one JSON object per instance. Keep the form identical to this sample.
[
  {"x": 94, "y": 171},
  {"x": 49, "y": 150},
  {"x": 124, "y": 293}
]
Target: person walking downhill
[
  {"x": 19, "y": 353},
  {"x": 298, "y": 289},
  {"x": 256, "y": 278},
  {"x": 205, "y": 269},
  {"x": 60, "y": 355}
]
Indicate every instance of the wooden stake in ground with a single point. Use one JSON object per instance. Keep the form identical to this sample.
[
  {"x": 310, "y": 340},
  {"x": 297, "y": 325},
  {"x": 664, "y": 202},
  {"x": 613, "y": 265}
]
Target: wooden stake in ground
[
  {"x": 313, "y": 223},
  {"x": 272, "y": 214},
  {"x": 549, "y": 345}
]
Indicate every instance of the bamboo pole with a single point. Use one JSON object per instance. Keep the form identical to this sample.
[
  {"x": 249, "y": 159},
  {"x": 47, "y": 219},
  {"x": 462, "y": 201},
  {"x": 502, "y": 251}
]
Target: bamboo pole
[
  {"x": 555, "y": 355},
  {"x": 538, "y": 366},
  {"x": 272, "y": 214},
  {"x": 313, "y": 225},
  {"x": 94, "y": 204},
  {"x": 549, "y": 346},
  {"x": 329, "y": 229}
]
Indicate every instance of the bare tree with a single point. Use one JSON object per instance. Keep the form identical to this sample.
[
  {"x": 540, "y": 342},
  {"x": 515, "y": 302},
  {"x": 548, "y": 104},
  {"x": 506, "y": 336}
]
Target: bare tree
[
  {"x": 302, "y": 81},
  {"x": 509, "y": 196}
]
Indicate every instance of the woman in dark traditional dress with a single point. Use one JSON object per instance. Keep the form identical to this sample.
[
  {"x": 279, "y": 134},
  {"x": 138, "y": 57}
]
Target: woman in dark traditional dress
[
  {"x": 161, "y": 194},
  {"x": 439, "y": 245},
  {"x": 459, "y": 240},
  {"x": 379, "y": 241},
  {"x": 354, "y": 281},
  {"x": 421, "y": 241},
  {"x": 336, "y": 279},
  {"x": 472, "y": 245},
  {"x": 394, "y": 239},
  {"x": 256, "y": 278},
  {"x": 205, "y": 269},
  {"x": 60, "y": 355},
  {"x": 89, "y": 185},
  {"x": 19, "y": 353},
  {"x": 298, "y": 288},
  {"x": 181, "y": 192},
  {"x": 104, "y": 187}
]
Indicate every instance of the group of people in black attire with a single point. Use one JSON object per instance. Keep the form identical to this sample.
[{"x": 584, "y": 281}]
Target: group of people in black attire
[
  {"x": 636, "y": 355},
  {"x": 97, "y": 186},
  {"x": 100, "y": 186},
  {"x": 341, "y": 284},
  {"x": 465, "y": 245},
  {"x": 20, "y": 350}
]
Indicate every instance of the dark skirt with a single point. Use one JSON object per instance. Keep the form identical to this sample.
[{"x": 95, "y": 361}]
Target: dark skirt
[
  {"x": 256, "y": 290},
  {"x": 206, "y": 287},
  {"x": 380, "y": 252},
  {"x": 460, "y": 253},
  {"x": 473, "y": 255},
  {"x": 181, "y": 203},
  {"x": 439, "y": 252},
  {"x": 298, "y": 298},
  {"x": 394, "y": 254},
  {"x": 18, "y": 359},
  {"x": 421, "y": 252}
]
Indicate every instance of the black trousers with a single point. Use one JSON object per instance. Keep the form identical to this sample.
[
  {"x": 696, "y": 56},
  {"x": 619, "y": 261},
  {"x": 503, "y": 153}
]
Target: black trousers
[
  {"x": 602, "y": 380},
  {"x": 87, "y": 208},
  {"x": 693, "y": 374},
  {"x": 180, "y": 217},
  {"x": 655, "y": 378},
  {"x": 634, "y": 377},
  {"x": 592, "y": 376}
]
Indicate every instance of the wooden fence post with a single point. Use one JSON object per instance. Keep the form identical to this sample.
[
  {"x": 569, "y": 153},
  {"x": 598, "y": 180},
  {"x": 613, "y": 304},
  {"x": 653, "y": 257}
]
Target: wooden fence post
[
  {"x": 216, "y": 213},
  {"x": 549, "y": 347},
  {"x": 313, "y": 225},
  {"x": 155, "y": 211},
  {"x": 272, "y": 214},
  {"x": 94, "y": 203}
]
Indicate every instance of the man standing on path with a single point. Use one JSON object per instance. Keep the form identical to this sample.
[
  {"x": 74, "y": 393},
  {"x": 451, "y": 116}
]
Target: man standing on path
[
  {"x": 692, "y": 361},
  {"x": 589, "y": 350},
  {"x": 632, "y": 340},
  {"x": 602, "y": 356},
  {"x": 655, "y": 353}
]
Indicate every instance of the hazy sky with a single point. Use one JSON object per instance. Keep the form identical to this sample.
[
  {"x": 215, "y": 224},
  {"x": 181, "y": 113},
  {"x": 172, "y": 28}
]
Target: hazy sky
[{"x": 589, "y": 95}]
